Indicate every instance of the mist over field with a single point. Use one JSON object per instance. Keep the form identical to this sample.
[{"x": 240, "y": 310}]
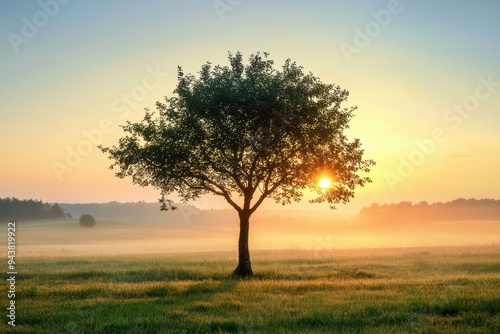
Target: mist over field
[{"x": 143, "y": 228}]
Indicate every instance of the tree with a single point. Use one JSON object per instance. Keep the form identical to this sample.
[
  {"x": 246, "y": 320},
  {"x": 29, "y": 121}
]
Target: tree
[
  {"x": 87, "y": 221},
  {"x": 16, "y": 209},
  {"x": 245, "y": 133}
]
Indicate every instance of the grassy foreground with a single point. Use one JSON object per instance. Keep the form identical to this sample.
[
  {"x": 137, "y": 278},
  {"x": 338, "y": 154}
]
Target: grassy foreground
[{"x": 434, "y": 290}]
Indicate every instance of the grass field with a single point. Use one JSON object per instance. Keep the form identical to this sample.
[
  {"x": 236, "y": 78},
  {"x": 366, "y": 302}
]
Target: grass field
[{"x": 411, "y": 290}]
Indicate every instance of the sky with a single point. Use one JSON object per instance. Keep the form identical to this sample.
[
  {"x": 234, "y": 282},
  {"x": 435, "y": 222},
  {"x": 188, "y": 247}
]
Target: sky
[{"x": 424, "y": 76}]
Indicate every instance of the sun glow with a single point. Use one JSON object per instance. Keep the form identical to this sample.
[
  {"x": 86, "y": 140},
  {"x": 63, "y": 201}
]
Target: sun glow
[{"x": 324, "y": 183}]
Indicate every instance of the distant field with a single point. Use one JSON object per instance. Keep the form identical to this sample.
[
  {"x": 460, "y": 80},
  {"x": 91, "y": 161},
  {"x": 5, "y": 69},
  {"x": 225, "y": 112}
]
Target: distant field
[
  {"x": 66, "y": 238},
  {"x": 407, "y": 290}
]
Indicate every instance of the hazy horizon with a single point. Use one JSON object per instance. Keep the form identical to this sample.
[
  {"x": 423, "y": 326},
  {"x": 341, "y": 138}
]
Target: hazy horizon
[{"x": 126, "y": 228}]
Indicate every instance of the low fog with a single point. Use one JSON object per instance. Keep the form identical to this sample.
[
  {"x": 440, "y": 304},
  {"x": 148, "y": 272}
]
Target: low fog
[{"x": 142, "y": 228}]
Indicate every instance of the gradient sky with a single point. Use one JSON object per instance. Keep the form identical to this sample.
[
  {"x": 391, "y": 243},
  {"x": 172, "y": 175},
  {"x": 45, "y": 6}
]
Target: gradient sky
[{"x": 424, "y": 74}]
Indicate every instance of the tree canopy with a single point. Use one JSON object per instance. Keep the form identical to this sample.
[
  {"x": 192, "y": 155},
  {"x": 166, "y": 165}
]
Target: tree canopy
[{"x": 245, "y": 133}]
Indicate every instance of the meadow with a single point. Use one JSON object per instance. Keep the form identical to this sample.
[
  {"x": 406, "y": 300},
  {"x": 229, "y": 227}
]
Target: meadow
[{"x": 392, "y": 290}]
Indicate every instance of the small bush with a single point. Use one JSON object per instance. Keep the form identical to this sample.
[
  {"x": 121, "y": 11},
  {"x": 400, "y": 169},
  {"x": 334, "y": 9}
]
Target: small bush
[{"x": 87, "y": 221}]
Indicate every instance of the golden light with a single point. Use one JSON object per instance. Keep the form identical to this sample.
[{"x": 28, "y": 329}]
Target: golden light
[{"x": 324, "y": 183}]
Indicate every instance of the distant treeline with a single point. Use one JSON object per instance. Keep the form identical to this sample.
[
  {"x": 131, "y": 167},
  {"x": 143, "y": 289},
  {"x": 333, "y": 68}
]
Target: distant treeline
[
  {"x": 15, "y": 209},
  {"x": 459, "y": 209},
  {"x": 115, "y": 211},
  {"x": 142, "y": 212}
]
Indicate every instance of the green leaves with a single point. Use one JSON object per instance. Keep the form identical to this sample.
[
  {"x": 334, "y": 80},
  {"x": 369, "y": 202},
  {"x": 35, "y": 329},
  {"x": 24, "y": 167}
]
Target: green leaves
[{"x": 241, "y": 128}]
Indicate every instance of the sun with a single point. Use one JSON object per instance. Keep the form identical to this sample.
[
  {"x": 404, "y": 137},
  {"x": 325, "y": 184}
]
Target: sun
[{"x": 324, "y": 183}]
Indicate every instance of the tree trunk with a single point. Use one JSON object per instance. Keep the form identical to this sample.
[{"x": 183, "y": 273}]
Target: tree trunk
[{"x": 244, "y": 268}]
